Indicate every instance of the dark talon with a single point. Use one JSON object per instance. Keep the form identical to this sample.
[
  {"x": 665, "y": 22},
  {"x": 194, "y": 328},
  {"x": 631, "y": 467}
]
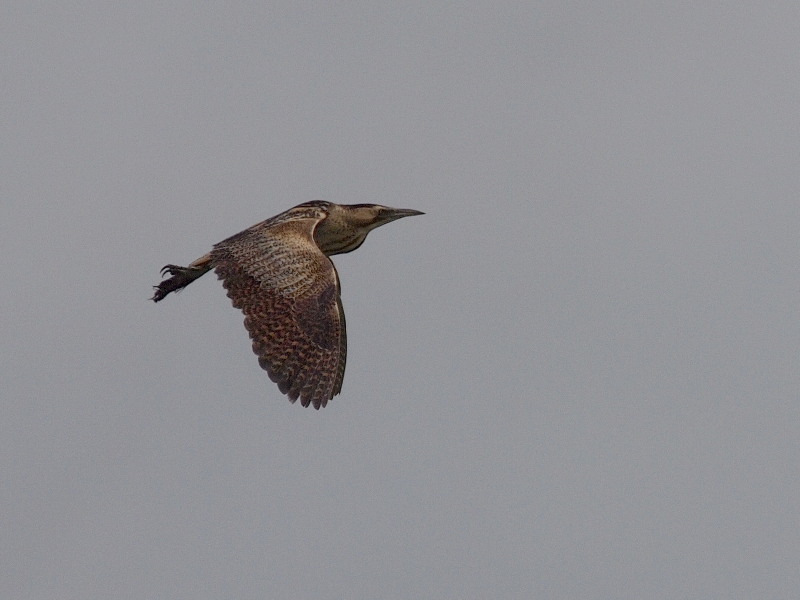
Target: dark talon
[{"x": 171, "y": 269}]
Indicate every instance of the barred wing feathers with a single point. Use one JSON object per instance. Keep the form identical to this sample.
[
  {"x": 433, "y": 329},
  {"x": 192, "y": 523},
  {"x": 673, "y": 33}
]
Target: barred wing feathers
[{"x": 288, "y": 291}]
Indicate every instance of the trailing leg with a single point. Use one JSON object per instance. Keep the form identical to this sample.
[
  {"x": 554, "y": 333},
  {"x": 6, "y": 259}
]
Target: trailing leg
[{"x": 181, "y": 277}]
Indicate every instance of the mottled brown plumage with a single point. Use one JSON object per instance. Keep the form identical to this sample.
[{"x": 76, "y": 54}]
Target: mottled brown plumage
[{"x": 279, "y": 275}]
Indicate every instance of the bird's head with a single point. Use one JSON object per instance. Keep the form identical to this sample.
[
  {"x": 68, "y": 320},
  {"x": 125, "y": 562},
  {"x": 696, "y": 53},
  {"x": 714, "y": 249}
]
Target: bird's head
[
  {"x": 346, "y": 225},
  {"x": 370, "y": 216}
]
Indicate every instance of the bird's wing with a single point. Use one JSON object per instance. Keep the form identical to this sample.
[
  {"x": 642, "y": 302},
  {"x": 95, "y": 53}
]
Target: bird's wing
[{"x": 288, "y": 291}]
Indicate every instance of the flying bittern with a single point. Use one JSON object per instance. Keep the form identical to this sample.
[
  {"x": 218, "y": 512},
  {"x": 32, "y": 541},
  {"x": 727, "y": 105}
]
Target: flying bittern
[{"x": 278, "y": 273}]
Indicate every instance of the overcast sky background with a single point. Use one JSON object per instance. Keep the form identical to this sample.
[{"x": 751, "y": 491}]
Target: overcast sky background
[{"x": 575, "y": 377}]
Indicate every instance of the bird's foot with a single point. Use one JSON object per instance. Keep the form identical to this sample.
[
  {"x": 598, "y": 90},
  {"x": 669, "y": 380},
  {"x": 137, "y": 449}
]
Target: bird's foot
[{"x": 180, "y": 277}]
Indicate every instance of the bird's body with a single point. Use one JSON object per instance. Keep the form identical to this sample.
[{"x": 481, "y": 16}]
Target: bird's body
[{"x": 279, "y": 274}]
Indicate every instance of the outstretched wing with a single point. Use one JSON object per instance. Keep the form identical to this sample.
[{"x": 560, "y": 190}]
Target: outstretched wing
[{"x": 288, "y": 291}]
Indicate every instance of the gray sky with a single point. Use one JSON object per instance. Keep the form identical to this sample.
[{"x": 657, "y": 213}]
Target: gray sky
[{"x": 575, "y": 377}]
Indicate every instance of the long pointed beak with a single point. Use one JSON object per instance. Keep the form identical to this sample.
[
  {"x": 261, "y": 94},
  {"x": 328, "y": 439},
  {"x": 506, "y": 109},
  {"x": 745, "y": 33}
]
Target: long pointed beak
[{"x": 392, "y": 214}]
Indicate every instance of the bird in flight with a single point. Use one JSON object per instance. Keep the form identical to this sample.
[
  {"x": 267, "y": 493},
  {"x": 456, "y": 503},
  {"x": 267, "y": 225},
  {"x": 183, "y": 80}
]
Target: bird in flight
[{"x": 279, "y": 274}]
